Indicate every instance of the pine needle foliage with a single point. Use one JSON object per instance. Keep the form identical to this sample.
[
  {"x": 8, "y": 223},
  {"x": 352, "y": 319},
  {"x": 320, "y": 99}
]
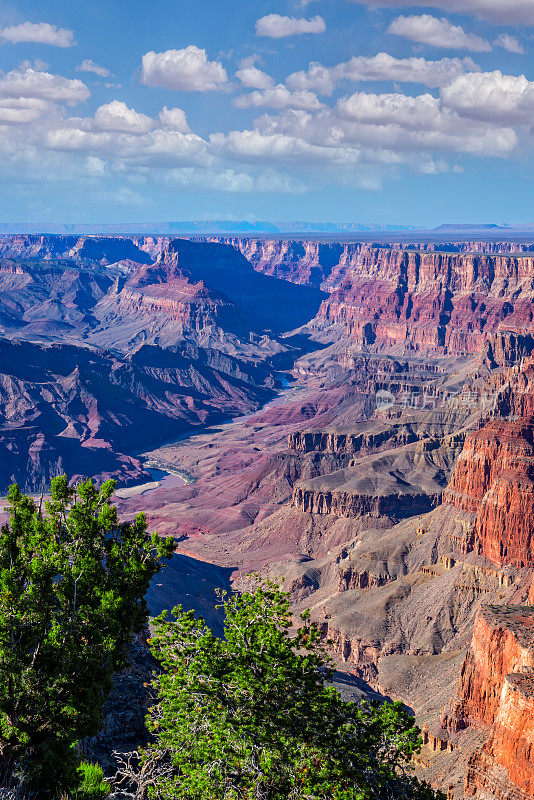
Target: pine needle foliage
[
  {"x": 73, "y": 580},
  {"x": 253, "y": 716}
]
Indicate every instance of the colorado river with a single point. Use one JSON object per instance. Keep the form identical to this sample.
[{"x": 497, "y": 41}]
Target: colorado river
[
  {"x": 172, "y": 478},
  {"x": 159, "y": 478}
]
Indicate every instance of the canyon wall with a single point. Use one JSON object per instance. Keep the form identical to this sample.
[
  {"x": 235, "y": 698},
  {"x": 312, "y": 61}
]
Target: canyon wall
[
  {"x": 315, "y": 263},
  {"x": 392, "y": 506},
  {"x": 432, "y": 301},
  {"x": 493, "y": 483},
  {"x": 494, "y": 479},
  {"x": 496, "y": 692}
]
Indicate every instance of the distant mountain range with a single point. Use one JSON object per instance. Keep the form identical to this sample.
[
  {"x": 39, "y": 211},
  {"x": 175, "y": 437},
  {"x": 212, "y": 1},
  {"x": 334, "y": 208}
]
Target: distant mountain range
[
  {"x": 198, "y": 227},
  {"x": 246, "y": 228}
]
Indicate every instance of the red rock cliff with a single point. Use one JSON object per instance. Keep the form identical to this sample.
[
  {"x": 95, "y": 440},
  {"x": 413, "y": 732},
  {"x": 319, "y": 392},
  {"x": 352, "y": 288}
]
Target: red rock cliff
[
  {"x": 447, "y": 301},
  {"x": 496, "y": 691},
  {"x": 494, "y": 478}
]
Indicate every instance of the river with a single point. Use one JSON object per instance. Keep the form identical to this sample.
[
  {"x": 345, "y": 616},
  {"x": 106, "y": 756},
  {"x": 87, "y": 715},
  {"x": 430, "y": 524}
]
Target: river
[{"x": 170, "y": 479}]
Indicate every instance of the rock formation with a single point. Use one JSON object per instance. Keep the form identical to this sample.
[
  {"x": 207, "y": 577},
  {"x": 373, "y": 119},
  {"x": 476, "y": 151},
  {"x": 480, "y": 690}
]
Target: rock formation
[
  {"x": 496, "y": 692},
  {"x": 445, "y": 302},
  {"x": 494, "y": 479}
]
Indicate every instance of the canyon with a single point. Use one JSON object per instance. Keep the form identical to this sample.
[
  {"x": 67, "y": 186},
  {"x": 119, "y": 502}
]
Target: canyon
[{"x": 354, "y": 417}]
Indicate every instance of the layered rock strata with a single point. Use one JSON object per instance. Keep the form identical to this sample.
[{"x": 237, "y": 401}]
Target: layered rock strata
[
  {"x": 432, "y": 301},
  {"x": 496, "y": 691},
  {"x": 494, "y": 479}
]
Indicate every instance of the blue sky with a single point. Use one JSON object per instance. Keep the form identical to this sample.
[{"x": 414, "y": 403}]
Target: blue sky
[{"x": 335, "y": 110}]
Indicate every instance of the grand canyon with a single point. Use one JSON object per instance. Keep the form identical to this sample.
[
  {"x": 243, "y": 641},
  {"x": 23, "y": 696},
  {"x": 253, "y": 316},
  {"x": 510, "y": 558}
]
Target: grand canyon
[{"x": 353, "y": 416}]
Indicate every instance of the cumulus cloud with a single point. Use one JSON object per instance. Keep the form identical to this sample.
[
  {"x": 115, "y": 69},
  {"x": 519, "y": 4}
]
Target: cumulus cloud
[
  {"x": 420, "y": 112},
  {"x": 38, "y": 32},
  {"x": 157, "y": 148},
  {"x": 492, "y": 96},
  {"x": 22, "y": 110},
  {"x": 435, "y": 32},
  {"x": 88, "y": 65},
  {"x": 507, "y": 12},
  {"x": 116, "y": 116},
  {"x": 230, "y": 180},
  {"x": 277, "y": 27},
  {"x": 256, "y": 145},
  {"x": 510, "y": 43},
  {"x": 431, "y": 125},
  {"x": 187, "y": 70},
  {"x": 382, "y": 67},
  {"x": 382, "y": 129},
  {"x": 30, "y": 82},
  {"x": 124, "y": 136},
  {"x": 251, "y": 77},
  {"x": 174, "y": 119},
  {"x": 279, "y": 97}
]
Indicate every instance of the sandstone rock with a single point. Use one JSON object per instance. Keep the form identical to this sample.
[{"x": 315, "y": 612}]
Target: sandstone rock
[
  {"x": 432, "y": 301},
  {"x": 494, "y": 478},
  {"x": 496, "y": 690}
]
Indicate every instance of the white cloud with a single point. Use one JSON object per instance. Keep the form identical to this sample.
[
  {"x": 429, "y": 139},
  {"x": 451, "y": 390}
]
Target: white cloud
[
  {"x": 391, "y": 128},
  {"x": 229, "y": 180},
  {"x": 277, "y": 27},
  {"x": 279, "y": 97},
  {"x": 174, "y": 119},
  {"x": 507, "y": 12},
  {"x": 187, "y": 70},
  {"x": 96, "y": 166},
  {"x": 492, "y": 97},
  {"x": 36, "y": 63},
  {"x": 38, "y": 32},
  {"x": 417, "y": 113},
  {"x": 22, "y": 110},
  {"x": 429, "y": 123},
  {"x": 88, "y": 65},
  {"x": 251, "y": 77},
  {"x": 30, "y": 82},
  {"x": 435, "y": 32},
  {"x": 255, "y": 145},
  {"x": 156, "y": 148},
  {"x": 382, "y": 67},
  {"x": 254, "y": 78},
  {"x": 510, "y": 43},
  {"x": 123, "y": 135},
  {"x": 317, "y": 77},
  {"x": 116, "y": 116},
  {"x": 125, "y": 196}
]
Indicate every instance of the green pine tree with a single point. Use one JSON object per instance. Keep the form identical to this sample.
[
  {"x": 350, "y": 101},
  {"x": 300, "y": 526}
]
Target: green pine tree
[
  {"x": 73, "y": 581},
  {"x": 252, "y": 716}
]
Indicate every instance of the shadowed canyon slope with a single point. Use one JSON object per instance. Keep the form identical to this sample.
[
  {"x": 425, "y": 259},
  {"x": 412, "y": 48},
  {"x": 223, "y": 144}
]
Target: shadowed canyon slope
[
  {"x": 126, "y": 348},
  {"x": 388, "y": 478}
]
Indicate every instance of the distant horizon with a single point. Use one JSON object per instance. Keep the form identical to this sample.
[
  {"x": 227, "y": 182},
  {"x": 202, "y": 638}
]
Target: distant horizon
[
  {"x": 444, "y": 237},
  {"x": 261, "y": 227}
]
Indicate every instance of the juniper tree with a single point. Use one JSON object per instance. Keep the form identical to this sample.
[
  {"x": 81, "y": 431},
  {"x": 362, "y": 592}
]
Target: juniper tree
[
  {"x": 73, "y": 580},
  {"x": 253, "y": 716}
]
